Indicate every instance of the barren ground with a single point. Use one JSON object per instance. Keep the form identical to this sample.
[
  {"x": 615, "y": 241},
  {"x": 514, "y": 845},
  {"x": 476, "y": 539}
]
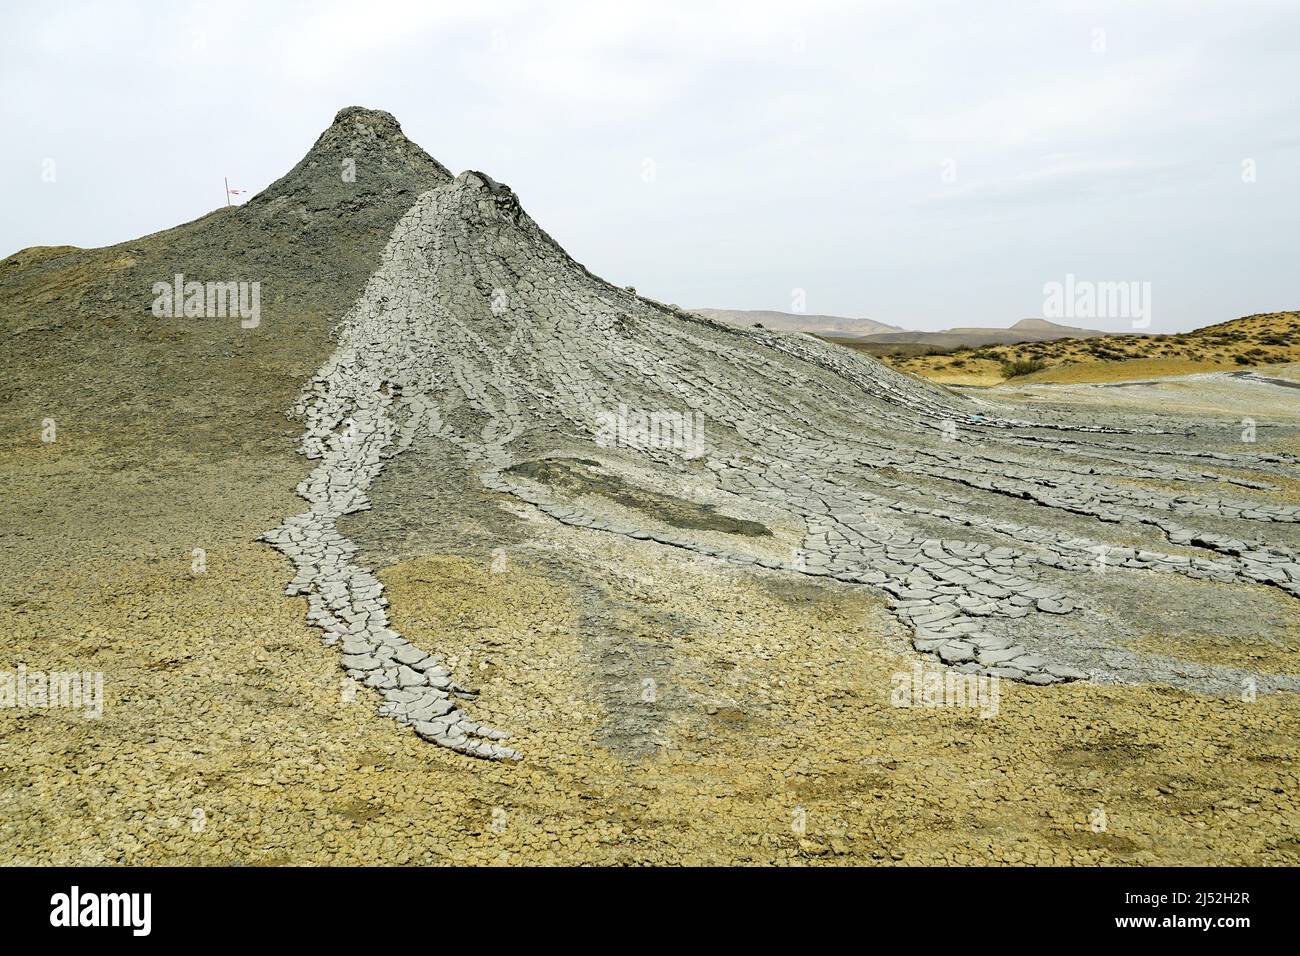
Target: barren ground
[{"x": 774, "y": 707}]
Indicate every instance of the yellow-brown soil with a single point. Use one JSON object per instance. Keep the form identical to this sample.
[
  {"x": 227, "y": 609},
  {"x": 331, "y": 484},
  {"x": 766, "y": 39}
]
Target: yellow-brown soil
[{"x": 230, "y": 735}]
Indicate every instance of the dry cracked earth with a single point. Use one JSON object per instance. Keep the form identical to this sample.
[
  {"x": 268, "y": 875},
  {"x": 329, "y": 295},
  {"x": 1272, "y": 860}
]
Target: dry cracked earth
[{"x": 505, "y": 564}]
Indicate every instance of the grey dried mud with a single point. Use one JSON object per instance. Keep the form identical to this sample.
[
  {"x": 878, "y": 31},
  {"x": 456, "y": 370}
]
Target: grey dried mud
[{"x": 1013, "y": 547}]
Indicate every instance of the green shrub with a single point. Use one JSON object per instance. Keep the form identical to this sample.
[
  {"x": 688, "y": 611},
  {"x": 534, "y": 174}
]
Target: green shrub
[{"x": 1022, "y": 366}]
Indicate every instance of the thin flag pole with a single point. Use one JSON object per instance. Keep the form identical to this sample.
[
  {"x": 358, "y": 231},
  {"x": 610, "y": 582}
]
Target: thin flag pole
[{"x": 226, "y": 180}]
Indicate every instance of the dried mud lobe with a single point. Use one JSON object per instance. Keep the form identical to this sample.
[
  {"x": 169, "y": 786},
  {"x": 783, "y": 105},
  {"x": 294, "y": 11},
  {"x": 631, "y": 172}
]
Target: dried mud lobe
[{"x": 479, "y": 339}]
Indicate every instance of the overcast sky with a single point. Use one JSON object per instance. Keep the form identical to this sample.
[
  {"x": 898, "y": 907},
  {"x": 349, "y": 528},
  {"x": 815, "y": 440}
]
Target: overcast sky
[{"x": 924, "y": 164}]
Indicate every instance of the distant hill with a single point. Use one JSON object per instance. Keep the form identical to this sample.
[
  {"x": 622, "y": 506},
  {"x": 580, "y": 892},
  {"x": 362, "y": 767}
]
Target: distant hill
[
  {"x": 828, "y": 325},
  {"x": 1026, "y": 330},
  {"x": 869, "y": 330}
]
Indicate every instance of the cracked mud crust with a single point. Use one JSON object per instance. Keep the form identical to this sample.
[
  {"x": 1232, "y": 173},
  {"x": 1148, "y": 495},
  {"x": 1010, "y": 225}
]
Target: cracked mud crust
[
  {"x": 1006, "y": 543},
  {"x": 253, "y": 730}
]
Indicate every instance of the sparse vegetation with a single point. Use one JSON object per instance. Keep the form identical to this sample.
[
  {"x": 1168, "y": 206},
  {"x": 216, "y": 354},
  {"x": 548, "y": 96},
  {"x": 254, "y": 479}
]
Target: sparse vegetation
[
  {"x": 1025, "y": 366},
  {"x": 1260, "y": 339}
]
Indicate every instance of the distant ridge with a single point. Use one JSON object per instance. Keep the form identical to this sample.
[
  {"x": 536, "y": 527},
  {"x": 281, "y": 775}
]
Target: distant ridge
[
  {"x": 1026, "y": 330},
  {"x": 835, "y": 325},
  {"x": 870, "y": 330}
]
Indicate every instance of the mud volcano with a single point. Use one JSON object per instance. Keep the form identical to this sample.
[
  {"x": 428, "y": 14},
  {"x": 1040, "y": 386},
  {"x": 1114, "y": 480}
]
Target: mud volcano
[{"x": 1032, "y": 550}]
